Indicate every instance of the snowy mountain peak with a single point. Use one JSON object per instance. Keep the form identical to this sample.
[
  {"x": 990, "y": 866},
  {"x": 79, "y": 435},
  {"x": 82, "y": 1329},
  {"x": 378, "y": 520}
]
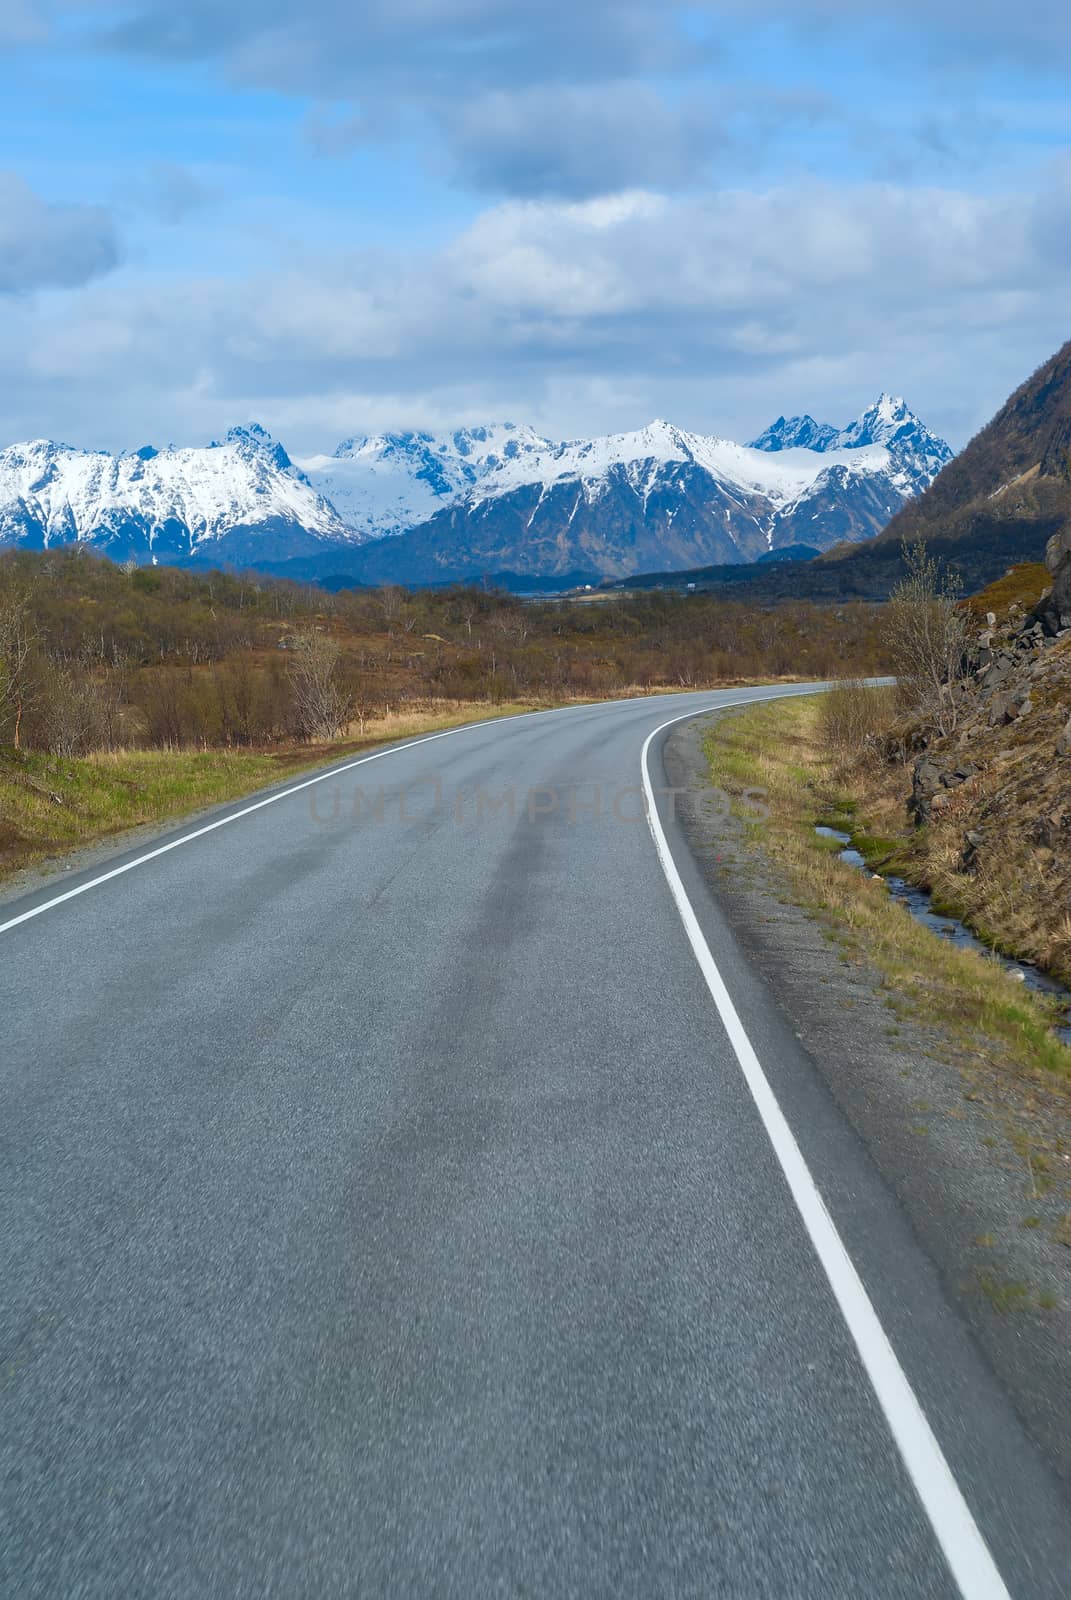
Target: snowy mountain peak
[
  {"x": 251, "y": 432},
  {"x": 888, "y": 419},
  {"x": 165, "y": 504},
  {"x": 253, "y": 440},
  {"x": 795, "y": 433},
  {"x": 879, "y": 422},
  {"x": 889, "y": 423},
  {"x": 496, "y": 438},
  {"x": 384, "y": 483}
]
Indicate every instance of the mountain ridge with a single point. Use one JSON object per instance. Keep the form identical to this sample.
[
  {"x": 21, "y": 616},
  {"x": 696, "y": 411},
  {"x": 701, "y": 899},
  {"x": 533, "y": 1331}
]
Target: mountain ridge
[
  {"x": 419, "y": 507},
  {"x": 622, "y": 502},
  {"x": 1003, "y": 501},
  {"x": 242, "y": 497}
]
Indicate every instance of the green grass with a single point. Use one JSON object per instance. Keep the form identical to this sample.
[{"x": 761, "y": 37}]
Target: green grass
[
  {"x": 1009, "y": 1296},
  {"x": 48, "y": 805},
  {"x": 874, "y": 849}
]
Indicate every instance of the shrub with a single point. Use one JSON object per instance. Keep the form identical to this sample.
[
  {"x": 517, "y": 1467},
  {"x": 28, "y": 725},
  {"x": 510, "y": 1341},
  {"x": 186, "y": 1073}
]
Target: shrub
[{"x": 851, "y": 716}]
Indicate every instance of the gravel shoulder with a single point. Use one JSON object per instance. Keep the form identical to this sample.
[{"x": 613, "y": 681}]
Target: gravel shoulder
[{"x": 953, "y": 1139}]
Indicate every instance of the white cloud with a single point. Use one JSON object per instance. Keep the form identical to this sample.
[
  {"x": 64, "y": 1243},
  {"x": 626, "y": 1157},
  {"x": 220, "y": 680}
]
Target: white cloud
[
  {"x": 563, "y": 99},
  {"x": 716, "y": 309}
]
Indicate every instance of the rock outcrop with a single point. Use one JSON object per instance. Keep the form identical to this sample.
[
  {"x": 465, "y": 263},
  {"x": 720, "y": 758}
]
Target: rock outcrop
[{"x": 1054, "y": 612}]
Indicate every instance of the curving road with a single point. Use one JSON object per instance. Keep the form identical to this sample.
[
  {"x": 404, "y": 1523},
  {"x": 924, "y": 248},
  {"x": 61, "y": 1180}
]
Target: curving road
[{"x": 408, "y": 1190}]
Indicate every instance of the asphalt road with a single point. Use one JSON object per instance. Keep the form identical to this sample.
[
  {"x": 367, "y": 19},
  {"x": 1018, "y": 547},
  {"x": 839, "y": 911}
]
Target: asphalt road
[{"x": 386, "y": 1212}]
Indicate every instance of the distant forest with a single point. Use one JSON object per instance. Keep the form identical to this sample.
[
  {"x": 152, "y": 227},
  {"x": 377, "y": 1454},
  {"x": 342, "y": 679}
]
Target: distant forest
[{"x": 98, "y": 656}]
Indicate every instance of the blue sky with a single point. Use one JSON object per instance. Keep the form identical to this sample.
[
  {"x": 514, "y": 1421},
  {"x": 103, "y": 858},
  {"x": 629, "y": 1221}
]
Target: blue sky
[{"x": 343, "y": 217}]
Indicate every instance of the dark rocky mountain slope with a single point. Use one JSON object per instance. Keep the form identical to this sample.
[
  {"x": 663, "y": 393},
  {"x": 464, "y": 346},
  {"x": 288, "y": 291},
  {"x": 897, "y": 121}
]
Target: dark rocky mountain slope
[{"x": 997, "y": 503}]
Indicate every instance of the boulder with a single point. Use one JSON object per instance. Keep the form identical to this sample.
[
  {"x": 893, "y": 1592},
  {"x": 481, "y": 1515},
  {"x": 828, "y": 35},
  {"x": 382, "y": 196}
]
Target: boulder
[
  {"x": 925, "y": 782},
  {"x": 1000, "y": 709},
  {"x": 1058, "y": 548},
  {"x": 1049, "y": 832},
  {"x": 999, "y": 671},
  {"x": 958, "y": 774},
  {"x": 1053, "y": 612},
  {"x": 930, "y": 783}
]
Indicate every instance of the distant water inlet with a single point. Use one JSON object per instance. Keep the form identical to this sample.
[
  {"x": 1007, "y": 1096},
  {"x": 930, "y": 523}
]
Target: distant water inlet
[{"x": 919, "y": 903}]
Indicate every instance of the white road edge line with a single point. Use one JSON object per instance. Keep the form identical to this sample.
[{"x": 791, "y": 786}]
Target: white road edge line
[
  {"x": 284, "y": 794},
  {"x": 965, "y": 1550}
]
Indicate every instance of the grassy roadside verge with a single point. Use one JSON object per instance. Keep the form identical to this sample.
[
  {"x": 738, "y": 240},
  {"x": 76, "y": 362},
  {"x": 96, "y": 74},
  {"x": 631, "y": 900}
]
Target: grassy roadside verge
[
  {"x": 778, "y": 748},
  {"x": 50, "y": 805}
]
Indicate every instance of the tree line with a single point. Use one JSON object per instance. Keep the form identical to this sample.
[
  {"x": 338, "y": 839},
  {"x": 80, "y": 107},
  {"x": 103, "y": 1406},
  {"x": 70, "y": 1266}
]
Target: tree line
[{"x": 95, "y": 656}]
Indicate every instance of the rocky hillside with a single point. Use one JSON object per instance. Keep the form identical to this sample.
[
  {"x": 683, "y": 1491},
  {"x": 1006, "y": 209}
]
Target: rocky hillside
[
  {"x": 992, "y": 800},
  {"x": 1011, "y": 483}
]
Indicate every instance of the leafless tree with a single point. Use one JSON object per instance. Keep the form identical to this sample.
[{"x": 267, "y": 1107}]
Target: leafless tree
[
  {"x": 392, "y": 600},
  {"x": 17, "y": 637},
  {"x": 928, "y": 638},
  {"x": 76, "y": 710}
]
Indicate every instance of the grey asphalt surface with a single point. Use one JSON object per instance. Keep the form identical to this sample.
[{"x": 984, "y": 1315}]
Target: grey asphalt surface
[{"x": 383, "y": 1213}]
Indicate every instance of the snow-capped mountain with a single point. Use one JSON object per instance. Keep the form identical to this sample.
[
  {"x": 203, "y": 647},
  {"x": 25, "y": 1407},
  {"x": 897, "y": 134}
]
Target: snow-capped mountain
[
  {"x": 889, "y": 422},
  {"x": 241, "y": 500},
  {"x": 662, "y": 497},
  {"x": 849, "y": 494},
  {"x": 390, "y": 482},
  {"x": 421, "y": 507},
  {"x": 795, "y": 433}
]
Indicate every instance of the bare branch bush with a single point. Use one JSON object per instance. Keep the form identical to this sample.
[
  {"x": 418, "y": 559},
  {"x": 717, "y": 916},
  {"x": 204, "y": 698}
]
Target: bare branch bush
[
  {"x": 76, "y": 711},
  {"x": 323, "y": 702}
]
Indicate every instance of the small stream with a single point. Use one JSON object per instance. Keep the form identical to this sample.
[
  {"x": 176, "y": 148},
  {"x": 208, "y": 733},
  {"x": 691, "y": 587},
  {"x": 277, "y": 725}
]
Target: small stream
[{"x": 917, "y": 901}]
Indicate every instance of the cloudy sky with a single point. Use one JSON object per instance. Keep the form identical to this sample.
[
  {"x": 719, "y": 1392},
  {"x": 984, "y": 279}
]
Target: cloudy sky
[{"x": 346, "y": 215}]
